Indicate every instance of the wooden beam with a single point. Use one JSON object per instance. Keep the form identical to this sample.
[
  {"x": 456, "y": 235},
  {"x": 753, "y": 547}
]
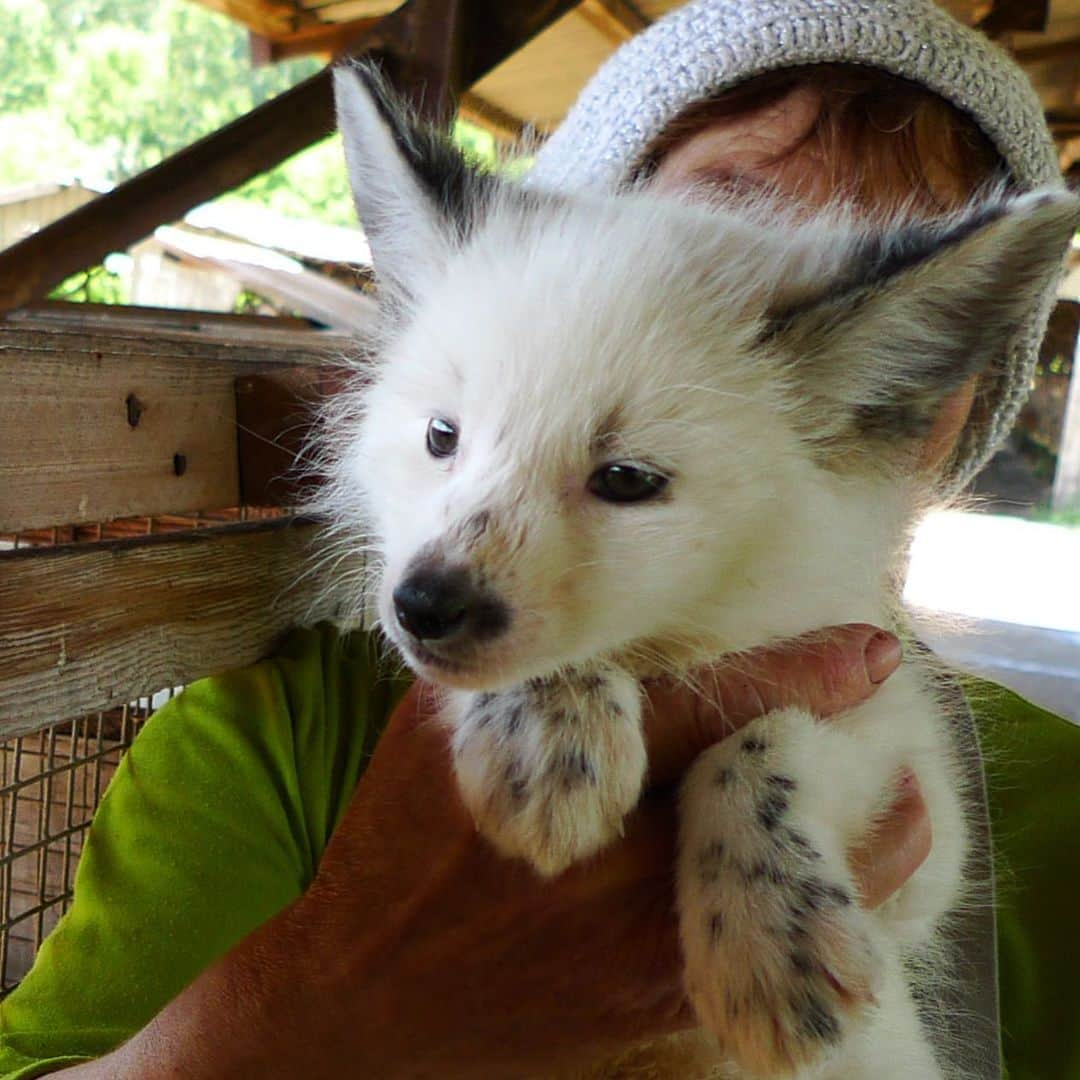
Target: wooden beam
[
  {"x": 262, "y": 16},
  {"x": 1064, "y": 121},
  {"x": 334, "y": 40},
  {"x": 117, "y": 422},
  {"x": 89, "y": 627},
  {"x": 1011, "y": 15},
  {"x": 328, "y": 40},
  {"x": 256, "y": 142},
  {"x": 347, "y": 10},
  {"x": 124, "y": 318},
  {"x": 275, "y": 415},
  {"x": 1066, "y": 49},
  {"x": 503, "y": 125},
  {"x": 421, "y": 56},
  {"x": 618, "y": 20}
]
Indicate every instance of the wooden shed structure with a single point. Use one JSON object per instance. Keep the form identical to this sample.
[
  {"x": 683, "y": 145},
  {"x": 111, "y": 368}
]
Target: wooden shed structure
[
  {"x": 145, "y": 538},
  {"x": 25, "y": 209}
]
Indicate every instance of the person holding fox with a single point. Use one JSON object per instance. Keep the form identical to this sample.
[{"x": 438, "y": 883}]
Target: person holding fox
[{"x": 281, "y": 880}]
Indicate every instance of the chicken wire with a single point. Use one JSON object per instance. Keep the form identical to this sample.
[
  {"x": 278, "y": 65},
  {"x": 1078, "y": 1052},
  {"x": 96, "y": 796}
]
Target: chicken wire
[{"x": 52, "y": 780}]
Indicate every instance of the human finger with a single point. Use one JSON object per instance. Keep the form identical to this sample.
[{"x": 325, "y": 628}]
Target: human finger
[
  {"x": 824, "y": 672},
  {"x": 894, "y": 847}
]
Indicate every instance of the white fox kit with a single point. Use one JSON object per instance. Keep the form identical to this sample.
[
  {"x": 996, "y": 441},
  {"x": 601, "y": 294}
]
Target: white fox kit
[{"x": 608, "y": 436}]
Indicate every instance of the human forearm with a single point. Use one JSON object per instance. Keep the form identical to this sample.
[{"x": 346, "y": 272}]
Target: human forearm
[
  {"x": 332, "y": 987},
  {"x": 274, "y": 1006},
  {"x": 214, "y": 1027},
  {"x": 419, "y": 952}
]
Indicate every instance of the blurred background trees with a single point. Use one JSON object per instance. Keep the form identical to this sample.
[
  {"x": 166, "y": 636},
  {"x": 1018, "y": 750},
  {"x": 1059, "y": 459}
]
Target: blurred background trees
[{"x": 102, "y": 89}]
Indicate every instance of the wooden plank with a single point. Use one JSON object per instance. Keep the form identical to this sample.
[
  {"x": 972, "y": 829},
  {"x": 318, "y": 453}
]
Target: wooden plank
[
  {"x": 87, "y": 628},
  {"x": 347, "y": 10},
  {"x": 1064, "y": 49},
  {"x": 968, "y": 12},
  {"x": 203, "y": 338},
  {"x": 128, "y": 528},
  {"x": 1011, "y": 15},
  {"x": 63, "y": 313},
  {"x": 1064, "y": 121},
  {"x": 263, "y": 16},
  {"x": 502, "y": 124},
  {"x": 333, "y": 40},
  {"x": 619, "y": 20},
  {"x": 323, "y": 39},
  {"x": 275, "y": 413},
  {"x": 96, "y": 425},
  {"x": 524, "y": 86}
]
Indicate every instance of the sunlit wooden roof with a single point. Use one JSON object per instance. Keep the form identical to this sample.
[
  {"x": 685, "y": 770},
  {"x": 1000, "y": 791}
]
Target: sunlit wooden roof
[{"x": 537, "y": 84}]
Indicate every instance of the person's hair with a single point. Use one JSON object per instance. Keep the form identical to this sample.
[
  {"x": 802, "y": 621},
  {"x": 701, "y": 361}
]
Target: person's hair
[{"x": 884, "y": 142}]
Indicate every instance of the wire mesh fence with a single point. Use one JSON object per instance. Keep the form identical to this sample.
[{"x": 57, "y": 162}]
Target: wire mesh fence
[
  {"x": 52, "y": 780},
  {"x": 50, "y": 785}
]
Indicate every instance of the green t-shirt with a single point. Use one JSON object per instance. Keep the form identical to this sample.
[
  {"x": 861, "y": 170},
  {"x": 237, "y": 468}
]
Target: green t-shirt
[{"x": 219, "y": 813}]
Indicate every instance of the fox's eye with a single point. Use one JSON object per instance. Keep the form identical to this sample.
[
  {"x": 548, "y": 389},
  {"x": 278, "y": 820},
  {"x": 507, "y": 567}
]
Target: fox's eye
[
  {"x": 442, "y": 437},
  {"x": 625, "y": 483}
]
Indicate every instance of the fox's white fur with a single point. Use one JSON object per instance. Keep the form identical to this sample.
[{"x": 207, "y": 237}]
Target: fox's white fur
[{"x": 777, "y": 374}]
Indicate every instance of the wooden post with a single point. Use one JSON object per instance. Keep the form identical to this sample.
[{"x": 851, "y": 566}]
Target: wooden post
[
  {"x": 1009, "y": 15},
  {"x": 1066, "y": 494}
]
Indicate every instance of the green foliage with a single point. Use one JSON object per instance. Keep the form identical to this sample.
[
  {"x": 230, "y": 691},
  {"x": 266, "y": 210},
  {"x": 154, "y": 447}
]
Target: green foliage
[
  {"x": 94, "y": 286},
  {"x": 311, "y": 184},
  {"x": 73, "y": 18},
  {"x": 1069, "y": 519},
  {"x": 116, "y": 85},
  {"x": 209, "y": 79},
  {"x": 103, "y": 89},
  {"x": 477, "y": 144},
  {"x": 116, "y": 74},
  {"x": 314, "y": 184},
  {"x": 1057, "y": 365},
  {"x": 27, "y": 62},
  {"x": 33, "y": 149}
]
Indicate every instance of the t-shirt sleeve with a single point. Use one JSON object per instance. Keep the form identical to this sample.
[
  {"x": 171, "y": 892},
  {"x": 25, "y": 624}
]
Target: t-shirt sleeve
[
  {"x": 1033, "y": 769},
  {"x": 214, "y": 821}
]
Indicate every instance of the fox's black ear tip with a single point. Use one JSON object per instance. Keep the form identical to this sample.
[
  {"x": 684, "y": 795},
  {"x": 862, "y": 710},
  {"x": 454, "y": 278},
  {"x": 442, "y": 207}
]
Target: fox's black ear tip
[
  {"x": 363, "y": 74},
  {"x": 364, "y": 79},
  {"x": 1048, "y": 204}
]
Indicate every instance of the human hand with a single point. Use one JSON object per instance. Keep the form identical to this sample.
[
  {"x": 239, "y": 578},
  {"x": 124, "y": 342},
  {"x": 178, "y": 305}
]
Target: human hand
[
  {"x": 417, "y": 951},
  {"x": 821, "y": 672}
]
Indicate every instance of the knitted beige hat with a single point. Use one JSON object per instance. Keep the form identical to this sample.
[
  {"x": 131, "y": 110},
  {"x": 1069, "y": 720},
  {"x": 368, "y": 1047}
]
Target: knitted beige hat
[{"x": 711, "y": 45}]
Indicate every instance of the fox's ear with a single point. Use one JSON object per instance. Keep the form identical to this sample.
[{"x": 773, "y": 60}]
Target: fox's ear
[
  {"x": 916, "y": 311},
  {"x": 416, "y": 195}
]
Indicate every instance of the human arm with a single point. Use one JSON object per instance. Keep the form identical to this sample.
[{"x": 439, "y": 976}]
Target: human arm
[
  {"x": 214, "y": 821},
  {"x": 417, "y": 951}
]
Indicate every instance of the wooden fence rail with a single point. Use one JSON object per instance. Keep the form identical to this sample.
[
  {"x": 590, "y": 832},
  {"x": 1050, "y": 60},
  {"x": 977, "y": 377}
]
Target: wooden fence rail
[
  {"x": 101, "y": 423},
  {"x": 89, "y": 627}
]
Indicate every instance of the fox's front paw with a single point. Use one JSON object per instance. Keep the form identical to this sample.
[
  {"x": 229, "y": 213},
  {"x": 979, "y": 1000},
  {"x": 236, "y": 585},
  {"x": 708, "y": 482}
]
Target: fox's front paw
[
  {"x": 550, "y": 769},
  {"x": 780, "y": 961}
]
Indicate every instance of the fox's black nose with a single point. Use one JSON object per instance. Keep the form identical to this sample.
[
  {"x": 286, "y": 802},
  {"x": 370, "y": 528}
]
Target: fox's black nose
[
  {"x": 433, "y": 604},
  {"x": 439, "y": 603}
]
